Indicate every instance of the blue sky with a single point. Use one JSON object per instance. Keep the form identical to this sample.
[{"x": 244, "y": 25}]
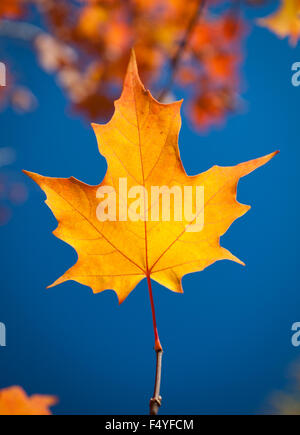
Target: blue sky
[{"x": 227, "y": 339}]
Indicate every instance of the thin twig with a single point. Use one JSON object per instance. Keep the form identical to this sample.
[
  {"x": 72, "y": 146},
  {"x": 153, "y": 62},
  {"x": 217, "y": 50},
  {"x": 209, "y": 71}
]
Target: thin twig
[
  {"x": 175, "y": 60},
  {"x": 155, "y": 401}
]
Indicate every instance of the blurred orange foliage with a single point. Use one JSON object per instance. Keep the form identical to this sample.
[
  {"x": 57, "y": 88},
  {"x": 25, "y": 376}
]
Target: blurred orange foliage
[
  {"x": 285, "y": 21},
  {"x": 14, "y": 401},
  {"x": 86, "y": 44},
  {"x": 287, "y": 402}
]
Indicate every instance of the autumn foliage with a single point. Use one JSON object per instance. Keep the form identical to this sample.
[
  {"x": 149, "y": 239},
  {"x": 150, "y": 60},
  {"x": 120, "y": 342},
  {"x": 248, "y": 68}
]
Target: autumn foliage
[
  {"x": 140, "y": 144},
  {"x": 193, "y": 48},
  {"x": 285, "y": 22},
  {"x": 14, "y": 401},
  {"x": 194, "y": 45}
]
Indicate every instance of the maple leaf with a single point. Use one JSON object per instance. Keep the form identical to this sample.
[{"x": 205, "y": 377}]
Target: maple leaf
[
  {"x": 140, "y": 144},
  {"x": 285, "y": 21},
  {"x": 14, "y": 401}
]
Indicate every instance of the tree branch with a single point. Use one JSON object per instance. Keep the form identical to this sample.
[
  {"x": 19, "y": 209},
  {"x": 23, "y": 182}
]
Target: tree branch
[
  {"x": 175, "y": 60},
  {"x": 155, "y": 401}
]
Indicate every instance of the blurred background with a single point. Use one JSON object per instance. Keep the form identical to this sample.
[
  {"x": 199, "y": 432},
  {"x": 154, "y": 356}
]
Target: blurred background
[{"x": 227, "y": 339}]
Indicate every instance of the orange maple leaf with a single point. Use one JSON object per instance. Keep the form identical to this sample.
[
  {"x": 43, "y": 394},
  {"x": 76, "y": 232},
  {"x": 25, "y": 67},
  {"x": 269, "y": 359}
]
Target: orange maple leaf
[
  {"x": 140, "y": 144},
  {"x": 14, "y": 401},
  {"x": 285, "y": 21}
]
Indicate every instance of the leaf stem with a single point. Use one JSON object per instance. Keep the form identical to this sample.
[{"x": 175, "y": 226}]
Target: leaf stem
[{"x": 155, "y": 401}]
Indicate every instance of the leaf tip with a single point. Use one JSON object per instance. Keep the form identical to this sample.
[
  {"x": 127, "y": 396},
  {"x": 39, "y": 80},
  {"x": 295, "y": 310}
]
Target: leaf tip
[
  {"x": 49, "y": 286},
  {"x": 28, "y": 173},
  {"x": 274, "y": 153},
  {"x": 237, "y": 260},
  {"x": 265, "y": 159},
  {"x": 121, "y": 299},
  {"x": 133, "y": 62},
  {"x": 35, "y": 177},
  {"x": 57, "y": 282},
  {"x": 132, "y": 65},
  {"x": 132, "y": 73}
]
